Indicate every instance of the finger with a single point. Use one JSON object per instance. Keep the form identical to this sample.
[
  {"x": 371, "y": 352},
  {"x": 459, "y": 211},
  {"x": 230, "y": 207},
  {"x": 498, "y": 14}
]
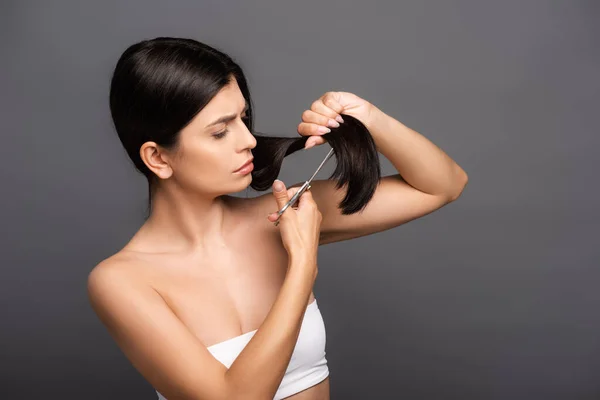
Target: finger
[
  {"x": 314, "y": 141},
  {"x": 290, "y": 193},
  {"x": 302, "y": 203},
  {"x": 310, "y": 129},
  {"x": 306, "y": 199},
  {"x": 313, "y": 117},
  {"x": 327, "y": 106},
  {"x": 332, "y": 100}
]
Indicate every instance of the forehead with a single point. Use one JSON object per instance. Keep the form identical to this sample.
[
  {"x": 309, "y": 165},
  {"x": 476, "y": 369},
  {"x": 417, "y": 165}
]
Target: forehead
[{"x": 229, "y": 100}]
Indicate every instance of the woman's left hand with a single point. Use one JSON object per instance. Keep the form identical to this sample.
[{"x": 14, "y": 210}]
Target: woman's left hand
[{"x": 325, "y": 113}]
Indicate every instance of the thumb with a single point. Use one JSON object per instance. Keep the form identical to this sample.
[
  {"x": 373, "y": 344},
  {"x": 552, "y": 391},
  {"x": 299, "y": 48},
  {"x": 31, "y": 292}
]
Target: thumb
[
  {"x": 280, "y": 193},
  {"x": 290, "y": 193}
]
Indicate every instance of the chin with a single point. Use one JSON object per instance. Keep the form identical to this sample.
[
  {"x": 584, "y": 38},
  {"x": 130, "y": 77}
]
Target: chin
[{"x": 242, "y": 183}]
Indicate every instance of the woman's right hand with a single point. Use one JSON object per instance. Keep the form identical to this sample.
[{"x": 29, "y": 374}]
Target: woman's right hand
[{"x": 300, "y": 227}]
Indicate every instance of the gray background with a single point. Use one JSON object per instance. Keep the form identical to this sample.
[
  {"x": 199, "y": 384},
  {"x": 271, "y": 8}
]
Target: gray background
[{"x": 493, "y": 297}]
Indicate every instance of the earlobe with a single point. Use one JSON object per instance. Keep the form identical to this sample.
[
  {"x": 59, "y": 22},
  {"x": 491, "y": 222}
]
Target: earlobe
[
  {"x": 155, "y": 160},
  {"x": 164, "y": 173}
]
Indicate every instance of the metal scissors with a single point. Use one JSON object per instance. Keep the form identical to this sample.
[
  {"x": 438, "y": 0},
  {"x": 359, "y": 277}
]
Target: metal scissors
[{"x": 303, "y": 188}]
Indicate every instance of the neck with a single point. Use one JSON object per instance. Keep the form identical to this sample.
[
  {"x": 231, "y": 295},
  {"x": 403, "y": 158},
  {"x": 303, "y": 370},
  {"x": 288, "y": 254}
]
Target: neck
[{"x": 183, "y": 222}]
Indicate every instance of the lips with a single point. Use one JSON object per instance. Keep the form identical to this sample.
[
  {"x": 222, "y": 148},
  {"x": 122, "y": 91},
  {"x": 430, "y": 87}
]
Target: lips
[{"x": 245, "y": 164}]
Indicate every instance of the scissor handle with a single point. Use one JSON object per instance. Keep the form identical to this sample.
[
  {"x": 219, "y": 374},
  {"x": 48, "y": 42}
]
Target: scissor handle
[{"x": 294, "y": 198}]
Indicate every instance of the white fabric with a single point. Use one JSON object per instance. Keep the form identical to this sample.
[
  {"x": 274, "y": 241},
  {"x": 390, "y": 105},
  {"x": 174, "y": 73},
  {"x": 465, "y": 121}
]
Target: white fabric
[{"x": 307, "y": 366}]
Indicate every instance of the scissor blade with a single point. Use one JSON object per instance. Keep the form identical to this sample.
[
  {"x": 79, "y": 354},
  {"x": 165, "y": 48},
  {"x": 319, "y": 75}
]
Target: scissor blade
[
  {"x": 327, "y": 157},
  {"x": 294, "y": 198},
  {"x": 304, "y": 187}
]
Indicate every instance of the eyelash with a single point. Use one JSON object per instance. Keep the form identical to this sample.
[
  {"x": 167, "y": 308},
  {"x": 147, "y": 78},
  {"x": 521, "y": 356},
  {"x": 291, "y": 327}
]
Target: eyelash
[{"x": 221, "y": 134}]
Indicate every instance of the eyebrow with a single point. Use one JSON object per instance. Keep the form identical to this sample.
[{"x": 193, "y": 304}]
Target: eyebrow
[{"x": 227, "y": 118}]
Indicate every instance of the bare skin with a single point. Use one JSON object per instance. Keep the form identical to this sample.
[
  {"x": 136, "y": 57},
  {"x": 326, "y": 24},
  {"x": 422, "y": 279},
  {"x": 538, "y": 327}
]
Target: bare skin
[
  {"x": 225, "y": 290},
  {"x": 217, "y": 262},
  {"x": 206, "y": 266}
]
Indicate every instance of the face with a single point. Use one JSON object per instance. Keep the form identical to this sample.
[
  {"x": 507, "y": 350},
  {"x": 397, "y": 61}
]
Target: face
[{"x": 213, "y": 145}]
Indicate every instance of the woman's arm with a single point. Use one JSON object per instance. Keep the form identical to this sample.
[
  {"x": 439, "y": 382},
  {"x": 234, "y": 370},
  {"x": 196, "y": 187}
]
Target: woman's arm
[
  {"x": 421, "y": 163},
  {"x": 261, "y": 366},
  {"x": 427, "y": 180},
  {"x": 174, "y": 361}
]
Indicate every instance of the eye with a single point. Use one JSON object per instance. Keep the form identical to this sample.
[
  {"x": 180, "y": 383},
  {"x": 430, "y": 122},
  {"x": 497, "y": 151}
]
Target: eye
[{"x": 221, "y": 134}]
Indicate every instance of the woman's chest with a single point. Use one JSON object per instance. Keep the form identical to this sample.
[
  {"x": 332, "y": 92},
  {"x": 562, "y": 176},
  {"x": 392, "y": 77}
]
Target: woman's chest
[{"x": 227, "y": 291}]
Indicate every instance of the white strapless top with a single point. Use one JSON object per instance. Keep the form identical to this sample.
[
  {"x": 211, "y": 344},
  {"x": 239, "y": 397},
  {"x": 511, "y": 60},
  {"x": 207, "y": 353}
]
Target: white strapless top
[{"x": 308, "y": 365}]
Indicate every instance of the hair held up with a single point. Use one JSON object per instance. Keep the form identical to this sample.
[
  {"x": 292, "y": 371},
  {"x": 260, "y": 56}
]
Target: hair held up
[{"x": 159, "y": 85}]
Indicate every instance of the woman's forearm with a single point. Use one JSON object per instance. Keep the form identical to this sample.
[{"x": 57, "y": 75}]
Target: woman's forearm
[
  {"x": 259, "y": 369},
  {"x": 420, "y": 162}
]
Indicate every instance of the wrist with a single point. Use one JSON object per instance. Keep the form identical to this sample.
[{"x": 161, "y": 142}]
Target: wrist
[
  {"x": 300, "y": 257},
  {"x": 375, "y": 118}
]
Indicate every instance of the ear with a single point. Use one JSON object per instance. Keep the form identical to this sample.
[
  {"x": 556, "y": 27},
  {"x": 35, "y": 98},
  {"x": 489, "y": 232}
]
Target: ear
[{"x": 156, "y": 160}]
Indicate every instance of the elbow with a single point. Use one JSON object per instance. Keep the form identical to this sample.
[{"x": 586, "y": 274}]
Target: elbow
[{"x": 462, "y": 181}]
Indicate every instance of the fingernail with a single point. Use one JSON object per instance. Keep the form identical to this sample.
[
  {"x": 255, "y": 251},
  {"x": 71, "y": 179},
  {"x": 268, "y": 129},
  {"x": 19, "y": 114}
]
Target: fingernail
[
  {"x": 323, "y": 129},
  {"x": 339, "y": 119},
  {"x": 278, "y": 185},
  {"x": 333, "y": 123}
]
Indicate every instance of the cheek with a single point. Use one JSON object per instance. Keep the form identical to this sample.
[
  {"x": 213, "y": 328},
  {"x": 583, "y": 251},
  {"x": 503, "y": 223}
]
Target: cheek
[
  {"x": 198, "y": 154},
  {"x": 202, "y": 166}
]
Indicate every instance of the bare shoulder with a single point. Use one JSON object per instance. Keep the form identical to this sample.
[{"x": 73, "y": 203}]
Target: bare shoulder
[
  {"x": 262, "y": 205},
  {"x": 115, "y": 273},
  {"x": 255, "y": 210},
  {"x": 99, "y": 278},
  {"x": 112, "y": 283},
  {"x": 119, "y": 264},
  {"x": 149, "y": 333}
]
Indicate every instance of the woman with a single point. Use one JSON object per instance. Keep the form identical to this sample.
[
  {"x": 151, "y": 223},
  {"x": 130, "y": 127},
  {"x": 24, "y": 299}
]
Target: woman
[{"x": 210, "y": 299}]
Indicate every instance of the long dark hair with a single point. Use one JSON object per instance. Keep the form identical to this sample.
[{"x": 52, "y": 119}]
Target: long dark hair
[{"x": 159, "y": 85}]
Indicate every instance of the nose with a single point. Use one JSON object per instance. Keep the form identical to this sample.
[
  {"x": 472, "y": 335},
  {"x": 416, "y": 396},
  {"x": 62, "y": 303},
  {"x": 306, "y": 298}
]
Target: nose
[{"x": 248, "y": 139}]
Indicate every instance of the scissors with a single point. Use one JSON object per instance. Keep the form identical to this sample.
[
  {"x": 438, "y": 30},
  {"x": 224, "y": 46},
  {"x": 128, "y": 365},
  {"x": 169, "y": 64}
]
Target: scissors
[{"x": 303, "y": 188}]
